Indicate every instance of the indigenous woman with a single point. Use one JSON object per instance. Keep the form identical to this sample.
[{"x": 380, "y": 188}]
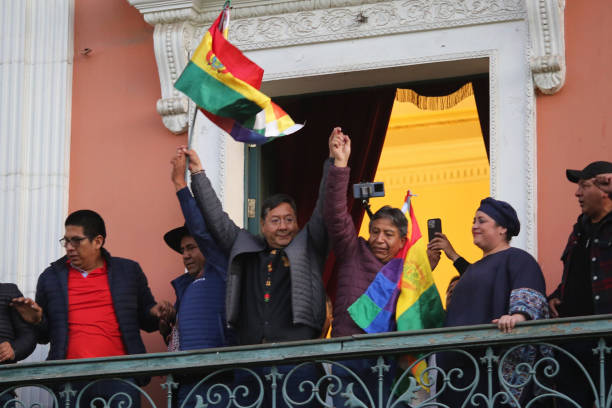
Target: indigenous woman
[{"x": 505, "y": 287}]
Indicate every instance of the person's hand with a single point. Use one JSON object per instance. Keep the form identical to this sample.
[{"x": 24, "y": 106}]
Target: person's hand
[
  {"x": 507, "y": 322},
  {"x": 339, "y": 147},
  {"x": 434, "y": 257},
  {"x": 164, "y": 311},
  {"x": 553, "y": 305},
  {"x": 28, "y": 309},
  {"x": 441, "y": 243},
  {"x": 604, "y": 182},
  {"x": 177, "y": 175},
  {"x": 165, "y": 329},
  {"x": 6, "y": 352},
  {"x": 195, "y": 165}
]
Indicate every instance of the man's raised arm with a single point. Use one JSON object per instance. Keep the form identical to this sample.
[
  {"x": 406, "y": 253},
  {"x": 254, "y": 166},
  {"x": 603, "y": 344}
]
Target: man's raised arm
[
  {"x": 339, "y": 222},
  {"x": 219, "y": 224}
]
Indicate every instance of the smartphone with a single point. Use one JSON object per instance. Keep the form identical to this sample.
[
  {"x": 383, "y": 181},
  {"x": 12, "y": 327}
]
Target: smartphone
[{"x": 434, "y": 225}]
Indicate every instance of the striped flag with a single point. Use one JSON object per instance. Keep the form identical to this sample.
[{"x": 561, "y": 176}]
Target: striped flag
[
  {"x": 403, "y": 295},
  {"x": 225, "y": 84},
  {"x": 419, "y": 305}
]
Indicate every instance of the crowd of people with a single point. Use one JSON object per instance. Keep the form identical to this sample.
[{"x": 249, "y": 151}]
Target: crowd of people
[{"x": 240, "y": 288}]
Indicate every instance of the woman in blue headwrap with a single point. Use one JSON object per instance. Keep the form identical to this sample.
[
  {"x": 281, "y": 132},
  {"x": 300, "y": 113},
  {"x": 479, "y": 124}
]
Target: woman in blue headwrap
[{"x": 505, "y": 287}]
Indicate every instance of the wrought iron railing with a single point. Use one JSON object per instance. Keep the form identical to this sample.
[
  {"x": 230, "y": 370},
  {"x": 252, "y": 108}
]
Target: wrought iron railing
[{"x": 236, "y": 377}]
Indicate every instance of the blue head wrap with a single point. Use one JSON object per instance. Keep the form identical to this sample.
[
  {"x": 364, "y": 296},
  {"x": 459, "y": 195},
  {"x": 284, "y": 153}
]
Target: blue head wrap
[{"x": 502, "y": 213}]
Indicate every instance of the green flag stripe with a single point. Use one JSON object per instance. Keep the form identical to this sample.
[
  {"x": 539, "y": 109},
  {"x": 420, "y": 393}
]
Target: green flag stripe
[
  {"x": 364, "y": 311},
  {"x": 425, "y": 313},
  {"x": 214, "y": 96}
]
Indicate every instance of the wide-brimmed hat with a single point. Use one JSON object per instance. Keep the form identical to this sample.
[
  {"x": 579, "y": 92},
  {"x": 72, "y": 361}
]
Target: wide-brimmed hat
[
  {"x": 173, "y": 237},
  {"x": 590, "y": 171}
]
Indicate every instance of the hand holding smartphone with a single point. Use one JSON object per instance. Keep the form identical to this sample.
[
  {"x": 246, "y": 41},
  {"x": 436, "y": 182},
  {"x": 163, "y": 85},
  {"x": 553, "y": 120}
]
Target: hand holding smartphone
[{"x": 434, "y": 225}]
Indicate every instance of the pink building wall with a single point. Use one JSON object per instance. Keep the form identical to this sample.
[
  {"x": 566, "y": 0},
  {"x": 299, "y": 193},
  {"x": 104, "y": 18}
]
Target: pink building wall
[
  {"x": 574, "y": 126},
  {"x": 120, "y": 150}
]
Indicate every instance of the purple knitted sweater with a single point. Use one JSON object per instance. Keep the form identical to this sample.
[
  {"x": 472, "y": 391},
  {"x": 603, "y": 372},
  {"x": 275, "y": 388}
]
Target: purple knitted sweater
[{"x": 356, "y": 264}]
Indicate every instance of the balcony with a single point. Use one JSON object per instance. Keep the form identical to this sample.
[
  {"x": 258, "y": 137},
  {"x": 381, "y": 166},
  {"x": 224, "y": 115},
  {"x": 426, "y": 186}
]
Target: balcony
[{"x": 484, "y": 348}]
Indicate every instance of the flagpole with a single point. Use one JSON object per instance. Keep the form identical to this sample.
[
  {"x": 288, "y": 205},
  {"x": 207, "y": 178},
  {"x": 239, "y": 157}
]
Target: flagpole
[
  {"x": 190, "y": 139},
  {"x": 226, "y": 6}
]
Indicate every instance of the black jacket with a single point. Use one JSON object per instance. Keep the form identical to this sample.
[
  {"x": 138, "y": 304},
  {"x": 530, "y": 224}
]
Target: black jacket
[{"x": 21, "y": 335}]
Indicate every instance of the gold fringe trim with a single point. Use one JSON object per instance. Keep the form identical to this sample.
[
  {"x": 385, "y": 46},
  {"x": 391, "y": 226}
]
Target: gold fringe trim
[{"x": 434, "y": 102}]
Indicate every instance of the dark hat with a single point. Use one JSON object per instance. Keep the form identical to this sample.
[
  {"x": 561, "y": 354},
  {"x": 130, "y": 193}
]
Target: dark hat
[
  {"x": 173, "y": 237},
  {"x": 590, "y": 171},
  {"x": 503, "y": 213}
]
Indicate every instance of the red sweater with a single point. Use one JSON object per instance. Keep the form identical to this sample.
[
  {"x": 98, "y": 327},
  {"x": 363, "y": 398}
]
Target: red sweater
[{"x": 93, "y": 330}]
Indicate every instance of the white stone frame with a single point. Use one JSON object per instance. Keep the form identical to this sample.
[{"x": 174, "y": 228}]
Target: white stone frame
[{"x": 311, "y": 45}]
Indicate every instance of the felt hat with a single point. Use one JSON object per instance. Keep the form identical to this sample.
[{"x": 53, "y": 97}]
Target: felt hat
[{"x": 173, "y": 237}]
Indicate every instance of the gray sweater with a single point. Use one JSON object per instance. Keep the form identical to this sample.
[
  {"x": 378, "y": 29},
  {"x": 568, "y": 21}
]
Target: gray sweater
[{"x": 307, "y": 253}]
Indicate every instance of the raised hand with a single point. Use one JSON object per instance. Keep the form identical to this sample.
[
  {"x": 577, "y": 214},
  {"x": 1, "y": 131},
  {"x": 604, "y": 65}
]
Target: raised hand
[
  {"x": 434, "y": 257},
  {"x": 195, "y": 165},
  {"x": 177, "y": 175},
  {"x": 441, "y": 243},
  {"x": 28, "y": 309},
  {"x": 339, "y": 147},
  {"x": 604, "y": 182}
]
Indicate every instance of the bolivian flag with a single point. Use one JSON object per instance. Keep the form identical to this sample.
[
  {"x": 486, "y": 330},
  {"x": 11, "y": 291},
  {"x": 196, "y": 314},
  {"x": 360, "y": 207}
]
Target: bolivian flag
[
  {"x": 225, "y": 84},
  {"x": 403, "y": 295}
]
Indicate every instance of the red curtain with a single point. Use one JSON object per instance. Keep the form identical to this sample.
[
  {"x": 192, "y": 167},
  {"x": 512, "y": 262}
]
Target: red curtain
[{"x": 292, "y": 164}]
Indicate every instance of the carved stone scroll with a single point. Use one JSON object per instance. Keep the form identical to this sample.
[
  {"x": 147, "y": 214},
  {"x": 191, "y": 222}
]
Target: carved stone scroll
[{"x": 546, "y": 29}]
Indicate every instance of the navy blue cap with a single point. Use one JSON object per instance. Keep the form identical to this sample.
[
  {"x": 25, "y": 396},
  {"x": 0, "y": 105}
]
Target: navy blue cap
[{"x": 590, "y": 171}]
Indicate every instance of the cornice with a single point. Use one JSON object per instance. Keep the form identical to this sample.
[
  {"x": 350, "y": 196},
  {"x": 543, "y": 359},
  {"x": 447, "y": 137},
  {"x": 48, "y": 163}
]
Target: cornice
[
  {"x": 454, "y": 173},
  {"x": 264, "y": 24},
  {"x": 361, "y": 19}
]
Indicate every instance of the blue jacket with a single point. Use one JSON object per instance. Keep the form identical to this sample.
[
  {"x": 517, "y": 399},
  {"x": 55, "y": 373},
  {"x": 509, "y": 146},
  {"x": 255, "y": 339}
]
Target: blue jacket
[
  {"x": 132, "y": 300},
  {"x": 210, "y": 317}
]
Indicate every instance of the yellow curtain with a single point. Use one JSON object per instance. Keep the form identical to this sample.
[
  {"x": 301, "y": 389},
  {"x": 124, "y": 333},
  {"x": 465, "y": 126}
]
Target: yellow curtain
[{"x": 434, "y": 102}]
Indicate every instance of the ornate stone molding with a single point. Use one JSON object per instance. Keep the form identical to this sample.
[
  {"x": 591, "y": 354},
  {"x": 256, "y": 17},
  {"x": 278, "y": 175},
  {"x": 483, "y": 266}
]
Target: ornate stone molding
[
  {"x": 366, "y": 19},
  {"x": 264, "y": 24},
  {"x": 546, "y": 27},
  {"x": 172, "y": 21},
  {"x": 171, "y": 57}
]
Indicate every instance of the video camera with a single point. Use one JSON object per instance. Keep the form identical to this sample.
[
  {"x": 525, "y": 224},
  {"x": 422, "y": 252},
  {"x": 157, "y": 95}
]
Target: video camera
[{"x": 363, "y": 192}]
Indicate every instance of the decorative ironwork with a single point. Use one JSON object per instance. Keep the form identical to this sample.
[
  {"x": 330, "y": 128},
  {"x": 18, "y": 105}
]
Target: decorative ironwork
[{"x": 488, "y": 369}]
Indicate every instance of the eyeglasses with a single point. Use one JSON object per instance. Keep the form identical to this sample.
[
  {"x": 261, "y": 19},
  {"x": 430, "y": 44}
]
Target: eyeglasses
[{"x": 74, "y": 241}]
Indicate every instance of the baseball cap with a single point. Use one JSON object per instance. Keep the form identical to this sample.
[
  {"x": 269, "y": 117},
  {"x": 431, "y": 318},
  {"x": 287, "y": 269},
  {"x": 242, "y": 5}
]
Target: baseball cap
[{"x": 590, "y": 171}]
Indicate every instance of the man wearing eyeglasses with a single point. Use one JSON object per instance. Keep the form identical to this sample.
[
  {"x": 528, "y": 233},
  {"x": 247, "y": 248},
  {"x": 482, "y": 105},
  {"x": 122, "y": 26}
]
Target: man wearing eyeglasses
[{"x": 90, "y": 304}]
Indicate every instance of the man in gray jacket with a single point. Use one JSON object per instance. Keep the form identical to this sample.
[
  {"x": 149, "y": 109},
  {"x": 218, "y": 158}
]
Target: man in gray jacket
[{"x": 274, "y": 282}]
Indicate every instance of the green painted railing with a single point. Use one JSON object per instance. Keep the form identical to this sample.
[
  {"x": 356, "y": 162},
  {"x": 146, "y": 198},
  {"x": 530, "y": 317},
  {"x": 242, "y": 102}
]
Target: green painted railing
[{"x": 482, "y": 348}]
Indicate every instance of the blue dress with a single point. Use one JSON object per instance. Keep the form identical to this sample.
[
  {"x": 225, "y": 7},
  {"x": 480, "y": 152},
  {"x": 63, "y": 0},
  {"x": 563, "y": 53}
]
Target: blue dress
[
  {"x": 483, "y": 292},
  {"x": 506, "y": 282}
]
